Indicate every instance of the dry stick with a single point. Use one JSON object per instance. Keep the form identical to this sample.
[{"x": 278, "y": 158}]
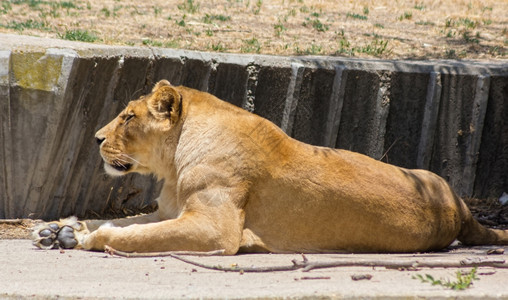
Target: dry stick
[
  {"x": 112, "y": 251},
  {"x": 11, "y": 221},
  {"x": 306, "y": 266}
]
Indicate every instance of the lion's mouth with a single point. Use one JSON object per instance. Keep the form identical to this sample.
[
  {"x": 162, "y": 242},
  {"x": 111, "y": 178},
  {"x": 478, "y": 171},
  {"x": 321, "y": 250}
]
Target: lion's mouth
[{"x": 120, "y": 166}]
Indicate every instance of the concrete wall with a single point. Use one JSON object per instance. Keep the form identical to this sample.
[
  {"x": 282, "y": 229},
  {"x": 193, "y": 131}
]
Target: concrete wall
[{"x": 447, "y": 116}]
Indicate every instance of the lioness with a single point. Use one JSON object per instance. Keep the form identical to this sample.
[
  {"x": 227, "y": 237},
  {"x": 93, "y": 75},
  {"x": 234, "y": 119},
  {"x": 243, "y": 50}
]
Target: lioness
[{"x": 235, "y": 181}]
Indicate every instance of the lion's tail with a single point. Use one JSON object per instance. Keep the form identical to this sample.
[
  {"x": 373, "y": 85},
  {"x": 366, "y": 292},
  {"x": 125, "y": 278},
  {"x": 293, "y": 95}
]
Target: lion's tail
[{"x": 473, "y": 233}]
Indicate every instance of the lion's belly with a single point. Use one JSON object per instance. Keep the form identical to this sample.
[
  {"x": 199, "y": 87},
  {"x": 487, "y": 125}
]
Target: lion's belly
[{"x": 295, "y": 220}]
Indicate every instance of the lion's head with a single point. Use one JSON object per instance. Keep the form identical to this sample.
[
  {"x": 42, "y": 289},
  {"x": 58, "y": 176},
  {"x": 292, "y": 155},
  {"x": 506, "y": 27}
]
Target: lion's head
[{"x": 127, "y": 142}]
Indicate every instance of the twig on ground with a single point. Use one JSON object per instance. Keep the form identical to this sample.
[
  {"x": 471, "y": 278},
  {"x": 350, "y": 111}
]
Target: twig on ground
[
  {"x": 306, "y": 266},
  {"x": 112, "y": 251},
  {"x": 11, "y": 221}
]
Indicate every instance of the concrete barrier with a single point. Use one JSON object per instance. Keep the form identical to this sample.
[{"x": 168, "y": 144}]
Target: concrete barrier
[{"x": 446, "y": 116}]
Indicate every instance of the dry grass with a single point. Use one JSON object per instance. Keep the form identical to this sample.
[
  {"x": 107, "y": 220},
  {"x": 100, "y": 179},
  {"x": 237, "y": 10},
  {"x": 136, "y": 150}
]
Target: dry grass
[{"x": 386, "y": 29}]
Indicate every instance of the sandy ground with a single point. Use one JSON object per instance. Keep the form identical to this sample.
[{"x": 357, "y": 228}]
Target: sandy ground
[{"x": 457, "y": 29}]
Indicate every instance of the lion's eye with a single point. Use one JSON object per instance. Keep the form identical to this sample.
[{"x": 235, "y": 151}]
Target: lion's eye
[{"x": 129, "y": 117}]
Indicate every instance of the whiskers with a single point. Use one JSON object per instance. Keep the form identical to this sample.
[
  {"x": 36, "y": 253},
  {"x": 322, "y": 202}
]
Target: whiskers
[{"x": 127, "y": 159}]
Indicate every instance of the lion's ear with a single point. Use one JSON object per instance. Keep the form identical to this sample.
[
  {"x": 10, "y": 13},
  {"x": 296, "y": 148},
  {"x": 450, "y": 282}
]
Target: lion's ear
[
  {"x": 160, "y": 84},
  {"x": 164, "y": 103}
]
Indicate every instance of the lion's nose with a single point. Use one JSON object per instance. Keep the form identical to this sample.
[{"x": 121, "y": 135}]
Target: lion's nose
[{"x": 99, "y": 140}]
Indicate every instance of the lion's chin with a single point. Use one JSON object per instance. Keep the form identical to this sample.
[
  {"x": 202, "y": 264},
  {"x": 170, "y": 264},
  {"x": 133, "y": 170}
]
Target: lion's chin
[{"x": 115, "y": 171}]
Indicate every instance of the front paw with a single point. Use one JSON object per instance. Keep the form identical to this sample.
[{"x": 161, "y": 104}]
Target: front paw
[{"x": 63, "y": 234}]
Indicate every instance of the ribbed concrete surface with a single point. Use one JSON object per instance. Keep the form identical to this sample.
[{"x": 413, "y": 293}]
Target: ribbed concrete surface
[{"x": 446, "y": 116}]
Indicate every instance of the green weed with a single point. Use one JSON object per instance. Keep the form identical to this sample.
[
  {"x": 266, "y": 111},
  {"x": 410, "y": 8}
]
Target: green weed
[
  {"x": 316, "y": 24},
  {"x": 259, "y": 3},
  {"x": 313, "y": 49},
  {"x": 28, "y": 24},
  {"x": 279, "y": 28},
  {"x": 172, "y": 44},
  {"x": 157, "y": 11},
  {"x": 181, "y": 23},
  {"x": 375, "y": 48},
  {"x": 470, "y": 39},
  {"x": 79, "y": 35},
  {"x": 405, "y": 16},
  {"x": 152, "y": 43},
  {"x": 217, "y": 47},
  {"x": 189, "y": 6},
  {"x": 464, "y": 280},
  {"x": 251, "y": 46},
  {"x": 210, "y": 18},
  {"x": 464, "y": 22},
  {"x": 6, "y": 7},
  {"x": 356, "y": 16},
  {"x": 467, "y": 23},
  {"x": 106, "y": 12},
  {"x": 31, "y": 3},
  {"x": 419, "y": 6},
  {"x": 67, "y": 4}
]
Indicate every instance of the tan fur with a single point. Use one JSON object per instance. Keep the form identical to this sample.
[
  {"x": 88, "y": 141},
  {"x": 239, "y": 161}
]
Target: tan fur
[{"x": 235, "y": 181}]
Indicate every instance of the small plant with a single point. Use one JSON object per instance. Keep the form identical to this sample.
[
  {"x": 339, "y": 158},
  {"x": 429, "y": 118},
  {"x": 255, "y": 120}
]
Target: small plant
[
  {"x": 469, "y": 39},
  {"x": 189, "y": 6},
  {"x": 28, "y": 24},
  {"x": 419, "y": 6},
  {"x": 149, "y": 42},
  {"x": 375, "y": 48},
  {"x": 251, "y": 45},
  {"x": 279, "y": 28},
  {"x": 451, "y": 53},
  {"x": 157, "y": 10},
  {"x": 106, "y": 12},
  {"x": 67, "y": 4},
  {"x": 366, "y": 10},
  {"x": 464, "y": 280},
  {"x": 304, "y": 9},
  {"x": 217, "y": 47},
  {"x": 6, "y": 7},
  {"x": 259, "y": 3},
  {"x": 406, "y": 16},
  {"x": 468, "y": 23},
  {"x": 313, "y": 49},
  {"x": 78, "y": 35},
  {"x": 181, "y": 23},
  {"x": 208, "y": 19},
  {"x": 316, "y": 24},
  {"x": 379, "y": 25},
  {"x": 172, "y": 44},
  {"x": 356, "y": 16}
]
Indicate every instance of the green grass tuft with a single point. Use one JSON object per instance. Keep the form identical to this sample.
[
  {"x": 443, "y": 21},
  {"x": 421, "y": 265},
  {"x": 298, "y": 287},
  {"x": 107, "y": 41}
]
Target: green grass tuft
[
  {"x": 79, "y": 35},
  {"x": 464, "y": 280}
]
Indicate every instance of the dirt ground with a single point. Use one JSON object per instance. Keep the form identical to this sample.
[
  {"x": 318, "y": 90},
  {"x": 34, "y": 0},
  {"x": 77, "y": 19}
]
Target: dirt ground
[{"x": 426, "y": 29}]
